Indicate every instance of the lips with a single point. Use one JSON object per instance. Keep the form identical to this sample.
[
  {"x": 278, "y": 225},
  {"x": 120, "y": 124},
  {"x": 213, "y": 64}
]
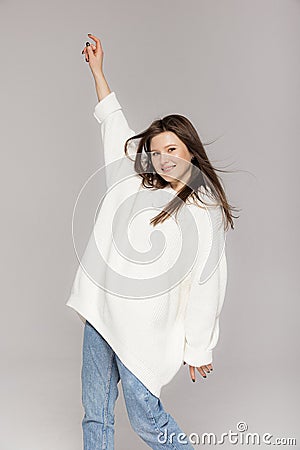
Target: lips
[{"x": 168, "y": 168}]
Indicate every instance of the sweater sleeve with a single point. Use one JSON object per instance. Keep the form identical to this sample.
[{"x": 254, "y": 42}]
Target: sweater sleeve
[
  {"x": 207, "y": 293},
  {"x": 114, "y": 133}
]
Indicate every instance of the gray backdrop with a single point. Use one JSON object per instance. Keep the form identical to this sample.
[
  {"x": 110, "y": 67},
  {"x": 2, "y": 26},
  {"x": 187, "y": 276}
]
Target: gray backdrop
[{"x": 232, "y": 67}]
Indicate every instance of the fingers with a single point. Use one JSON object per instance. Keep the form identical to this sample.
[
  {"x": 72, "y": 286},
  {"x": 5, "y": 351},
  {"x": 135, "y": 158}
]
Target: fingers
[
  {"x": 93, "y": 37},
  {"x": 192, "y": 373},
  {"x": 206, "y": 369},
  {"x": 89, "y": 51},
  {"x": 85, "y": 51},
  {"x": 202, "y": 370},
  {"x": 98, "y": 43}
]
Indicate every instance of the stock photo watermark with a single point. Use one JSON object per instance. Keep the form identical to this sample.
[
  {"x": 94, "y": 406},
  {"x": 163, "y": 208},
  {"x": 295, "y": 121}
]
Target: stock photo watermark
[
  {"x": 129, "y": 271},
  {"x": 240, "y": 436}
]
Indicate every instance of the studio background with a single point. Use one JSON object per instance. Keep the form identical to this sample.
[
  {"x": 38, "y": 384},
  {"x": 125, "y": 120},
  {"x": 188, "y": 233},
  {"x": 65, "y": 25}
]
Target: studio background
[{"x": 230, "y": 66}]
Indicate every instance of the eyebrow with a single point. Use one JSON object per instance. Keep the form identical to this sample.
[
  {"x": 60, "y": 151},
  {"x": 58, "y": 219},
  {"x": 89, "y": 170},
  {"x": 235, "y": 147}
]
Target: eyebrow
[{"x": 169, "y": 145}]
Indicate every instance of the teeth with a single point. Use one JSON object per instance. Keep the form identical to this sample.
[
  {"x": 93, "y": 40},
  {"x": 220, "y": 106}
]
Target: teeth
[{"x": 169, "y": 167}]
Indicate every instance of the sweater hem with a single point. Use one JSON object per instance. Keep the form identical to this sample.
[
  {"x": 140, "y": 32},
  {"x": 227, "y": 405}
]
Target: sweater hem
[{"x": 131, "y": 362}]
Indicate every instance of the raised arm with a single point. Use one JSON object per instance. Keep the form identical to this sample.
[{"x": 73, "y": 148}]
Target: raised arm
[
  {"x": 114, "y": 127},
  {"x": 94, "y": 55},
  {"x": 108, "y": 112}
]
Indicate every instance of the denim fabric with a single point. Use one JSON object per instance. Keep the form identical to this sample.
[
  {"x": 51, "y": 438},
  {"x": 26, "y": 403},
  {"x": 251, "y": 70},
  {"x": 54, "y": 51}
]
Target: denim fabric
[{"x": 101, "y": 371}]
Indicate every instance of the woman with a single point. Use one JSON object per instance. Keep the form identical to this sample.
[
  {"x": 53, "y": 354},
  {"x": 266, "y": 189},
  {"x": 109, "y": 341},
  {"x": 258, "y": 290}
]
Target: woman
[{"x": 146, "y": 312}]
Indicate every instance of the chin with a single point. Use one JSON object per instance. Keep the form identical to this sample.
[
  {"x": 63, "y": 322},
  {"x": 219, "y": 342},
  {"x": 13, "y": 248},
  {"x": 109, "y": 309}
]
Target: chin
[{"x": 168, "y": 179}]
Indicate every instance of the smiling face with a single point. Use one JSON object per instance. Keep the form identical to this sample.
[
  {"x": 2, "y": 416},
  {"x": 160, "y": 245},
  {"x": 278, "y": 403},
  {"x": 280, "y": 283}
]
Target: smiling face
[{"x": 171, "y": 158}]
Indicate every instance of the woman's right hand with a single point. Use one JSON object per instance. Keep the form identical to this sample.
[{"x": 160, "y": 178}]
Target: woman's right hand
[{"x": 94, "y": 56}]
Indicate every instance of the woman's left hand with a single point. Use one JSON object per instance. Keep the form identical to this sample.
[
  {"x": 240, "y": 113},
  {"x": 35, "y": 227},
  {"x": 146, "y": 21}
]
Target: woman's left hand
[{"x": 202, "y": 370}]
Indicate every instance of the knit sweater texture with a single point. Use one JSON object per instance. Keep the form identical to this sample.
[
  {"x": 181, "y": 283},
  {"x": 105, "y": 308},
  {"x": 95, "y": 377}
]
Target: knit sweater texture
[{"x": 154, "y": 293}]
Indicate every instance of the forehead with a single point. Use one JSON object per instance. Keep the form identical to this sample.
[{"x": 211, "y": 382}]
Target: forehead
[{"x": 164, "y": 138}]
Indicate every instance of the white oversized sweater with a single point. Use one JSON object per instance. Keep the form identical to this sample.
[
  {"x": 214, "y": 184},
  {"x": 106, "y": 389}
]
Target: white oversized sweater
[{"x": 154, "y": 293}]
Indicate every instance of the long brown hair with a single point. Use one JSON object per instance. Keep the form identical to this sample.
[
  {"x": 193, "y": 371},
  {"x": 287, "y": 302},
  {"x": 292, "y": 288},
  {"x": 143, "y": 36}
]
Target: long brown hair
[{"x": 203, "y": 174}]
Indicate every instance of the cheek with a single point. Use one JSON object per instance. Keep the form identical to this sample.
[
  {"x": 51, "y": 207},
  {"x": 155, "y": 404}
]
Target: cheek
[
  {"x": 182, "y": 165},
  {"x": 181, "y": 161},
  {"x": 180, "y": 156},
  {"x": 155, "y": 162}
]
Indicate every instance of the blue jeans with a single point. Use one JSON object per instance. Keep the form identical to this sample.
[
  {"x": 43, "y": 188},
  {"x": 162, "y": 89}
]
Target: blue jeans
[{"x": 101, "y": 372}]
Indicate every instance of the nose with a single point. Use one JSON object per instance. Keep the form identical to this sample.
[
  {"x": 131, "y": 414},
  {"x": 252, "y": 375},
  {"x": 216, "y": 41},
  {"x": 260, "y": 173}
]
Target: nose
[{"x": 164, "y": 158}]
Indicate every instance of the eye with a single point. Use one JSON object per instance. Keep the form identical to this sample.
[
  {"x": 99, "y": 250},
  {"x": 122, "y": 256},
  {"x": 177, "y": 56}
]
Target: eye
[{"x": 157, "y": 153}]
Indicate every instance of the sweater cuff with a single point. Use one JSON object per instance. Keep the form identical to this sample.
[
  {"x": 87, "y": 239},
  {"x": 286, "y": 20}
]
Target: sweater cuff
[
  {"x": 106, "y": 106},
  {"x": 197, "y": 357}
]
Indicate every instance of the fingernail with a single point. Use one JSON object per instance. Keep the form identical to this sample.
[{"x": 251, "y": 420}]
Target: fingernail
[
  {"x": 89, "y": 34},
  {"x": 87, "y": 44},
  {"x": 193, "y": 380},
  {"x": 204, "y": 376}
]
